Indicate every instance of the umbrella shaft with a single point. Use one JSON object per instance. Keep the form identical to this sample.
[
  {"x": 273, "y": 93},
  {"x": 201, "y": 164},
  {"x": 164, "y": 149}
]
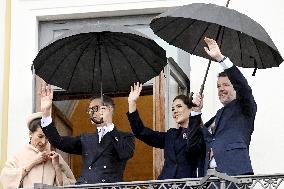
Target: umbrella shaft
[{"x": 204, "y": 79}]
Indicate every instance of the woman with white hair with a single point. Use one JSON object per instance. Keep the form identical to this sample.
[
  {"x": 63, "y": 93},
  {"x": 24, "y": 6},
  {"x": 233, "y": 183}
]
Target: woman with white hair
[{"x": 35, "y": 163}]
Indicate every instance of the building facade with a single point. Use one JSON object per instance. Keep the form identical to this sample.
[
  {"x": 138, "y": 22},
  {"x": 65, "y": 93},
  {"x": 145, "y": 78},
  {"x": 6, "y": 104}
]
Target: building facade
[{"x": 26, "y": 26}]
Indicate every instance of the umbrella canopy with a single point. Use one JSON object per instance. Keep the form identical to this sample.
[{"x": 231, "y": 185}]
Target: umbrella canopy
[
  {"x": 98, "y": 58},
  {"x": 238, "y": 36}
]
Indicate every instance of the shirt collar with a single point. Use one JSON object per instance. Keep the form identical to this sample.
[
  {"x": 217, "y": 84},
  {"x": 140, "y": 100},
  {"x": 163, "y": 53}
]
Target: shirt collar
[{"x": 107, "y": 128}]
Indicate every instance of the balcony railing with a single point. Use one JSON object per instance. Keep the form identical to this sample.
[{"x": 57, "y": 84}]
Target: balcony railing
[{"x": 213, "y": 180}]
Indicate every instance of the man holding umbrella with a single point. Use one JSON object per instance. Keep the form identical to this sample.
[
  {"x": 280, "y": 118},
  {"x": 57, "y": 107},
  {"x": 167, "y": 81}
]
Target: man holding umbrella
[
  {"x": 104, "y": 153},
  {"x": 228, "y": 133}
]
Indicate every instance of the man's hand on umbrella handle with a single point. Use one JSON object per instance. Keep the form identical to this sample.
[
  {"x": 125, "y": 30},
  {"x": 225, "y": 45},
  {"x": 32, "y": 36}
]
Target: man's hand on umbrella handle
[
  {"x": 133, "y": 96},
  {"x": 213, "y": 49},
  {"x": 46, "y": 96},
  {"x": 198, "y": 101}
]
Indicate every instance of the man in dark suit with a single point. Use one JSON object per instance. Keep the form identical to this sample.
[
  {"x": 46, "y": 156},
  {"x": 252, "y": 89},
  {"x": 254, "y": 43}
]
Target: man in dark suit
[
  {"x": 228, "y": 133},
  {"x": 104, "y": 152}
]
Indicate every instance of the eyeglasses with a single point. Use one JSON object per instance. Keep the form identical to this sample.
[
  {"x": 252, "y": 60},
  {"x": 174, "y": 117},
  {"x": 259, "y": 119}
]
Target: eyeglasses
[{"x": 91, "y": 110}]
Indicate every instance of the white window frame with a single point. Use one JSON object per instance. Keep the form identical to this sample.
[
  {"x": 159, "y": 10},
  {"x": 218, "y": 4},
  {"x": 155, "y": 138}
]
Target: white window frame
[{"x": 173, "y": 70}]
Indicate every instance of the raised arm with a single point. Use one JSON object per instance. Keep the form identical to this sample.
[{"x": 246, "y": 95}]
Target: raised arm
[
  {"x": 239, "y": 82},
  {"x": 67, "y": 144},
  {"x": 147, "y": 135}
]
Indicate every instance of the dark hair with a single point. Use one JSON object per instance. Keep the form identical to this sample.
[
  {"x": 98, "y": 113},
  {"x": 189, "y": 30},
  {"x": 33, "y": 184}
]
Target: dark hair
[
  {"x": 185, "y": 100},
  {"x": 34, "y": 125},
  {"x": 222, "y": 74},
  {"x": 106, "y": 100}
]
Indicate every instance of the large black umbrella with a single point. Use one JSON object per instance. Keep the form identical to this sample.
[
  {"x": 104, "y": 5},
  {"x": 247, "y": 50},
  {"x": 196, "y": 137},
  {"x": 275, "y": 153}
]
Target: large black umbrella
[
  {"x": 238, "y": 36},
  {"x": 98, "y": 58}
]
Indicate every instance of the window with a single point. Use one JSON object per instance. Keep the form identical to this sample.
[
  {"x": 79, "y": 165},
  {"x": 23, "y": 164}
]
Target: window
[{"x": 177, "y": 83}]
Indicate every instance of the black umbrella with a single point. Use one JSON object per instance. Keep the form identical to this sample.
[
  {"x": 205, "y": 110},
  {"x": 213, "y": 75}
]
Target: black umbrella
[
  {"x": 238, "y": 36},
  {"x": 98, "y": 58}
]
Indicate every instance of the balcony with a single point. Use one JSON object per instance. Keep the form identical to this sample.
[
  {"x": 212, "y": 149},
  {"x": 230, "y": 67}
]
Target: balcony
[{"x": 213, "y": 180}]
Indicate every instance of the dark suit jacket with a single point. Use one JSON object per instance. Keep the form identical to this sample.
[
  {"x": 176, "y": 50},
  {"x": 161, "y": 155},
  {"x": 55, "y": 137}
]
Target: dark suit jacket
[
  {"x": 234, "y": 126},
  {"x": 102, "y": 162},
  {"x": 183, "y": 155}
]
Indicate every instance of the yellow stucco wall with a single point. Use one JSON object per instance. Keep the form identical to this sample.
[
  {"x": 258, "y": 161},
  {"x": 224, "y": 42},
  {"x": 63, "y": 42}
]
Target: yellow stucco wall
[{"x": 5, "y": 80}]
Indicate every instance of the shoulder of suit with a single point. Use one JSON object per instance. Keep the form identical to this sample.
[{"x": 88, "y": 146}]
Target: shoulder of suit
[
  {"x": 86, "y": 135},
  {"x": 123, "y": 133}
]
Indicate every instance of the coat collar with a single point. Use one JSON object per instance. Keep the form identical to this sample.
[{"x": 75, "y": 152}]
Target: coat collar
[
  {"x": 31, "y": 147},
  {"x": 107, "y": 128},
  {"x": 224, "y": 113}
]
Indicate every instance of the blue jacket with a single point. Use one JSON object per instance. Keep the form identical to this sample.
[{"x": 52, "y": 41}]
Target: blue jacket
[
  {"x": 234, "y": 127},
  {"x": 183, "y": 153},
  {"x": 102, "y": 162}
]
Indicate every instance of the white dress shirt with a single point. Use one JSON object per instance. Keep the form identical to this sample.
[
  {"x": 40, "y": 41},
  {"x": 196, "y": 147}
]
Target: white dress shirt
[
  {"x": 45, "y": 121},
  {"x": 104, "y": 130}
]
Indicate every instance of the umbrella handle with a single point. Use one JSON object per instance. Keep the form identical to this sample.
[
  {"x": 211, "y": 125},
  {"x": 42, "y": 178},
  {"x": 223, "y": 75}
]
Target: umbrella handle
[
  {"x": 227, "y": 4},
  {"x": 201, "y": 88},
  {"x": 190, "y": 98}
]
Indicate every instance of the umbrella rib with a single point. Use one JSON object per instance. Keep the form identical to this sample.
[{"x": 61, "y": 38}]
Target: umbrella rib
[
  {"x": 78, "y": 60},
  {"x": 138, "y": 52},
  {"x": 93, "y": 79},
  {"x": 201, "y": 36},
  {"x": 240, "y": 49},
  {"x": 126, "y": 60},
  {"x": 60, "y": 47},
  {"x": 165, "y": 24},
  {"x": 64, "y": 59},
  {"x": 261, "y": 61},
  {"x": 191, "y": 23},
  {"x": 221, "y": 29},
  {"x": 107, "y": 52},
  {"x": 154, "y": 52}
]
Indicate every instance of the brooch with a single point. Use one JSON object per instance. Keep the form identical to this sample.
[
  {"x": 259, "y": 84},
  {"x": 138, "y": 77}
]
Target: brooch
[{"x": 184, "y": 136}]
